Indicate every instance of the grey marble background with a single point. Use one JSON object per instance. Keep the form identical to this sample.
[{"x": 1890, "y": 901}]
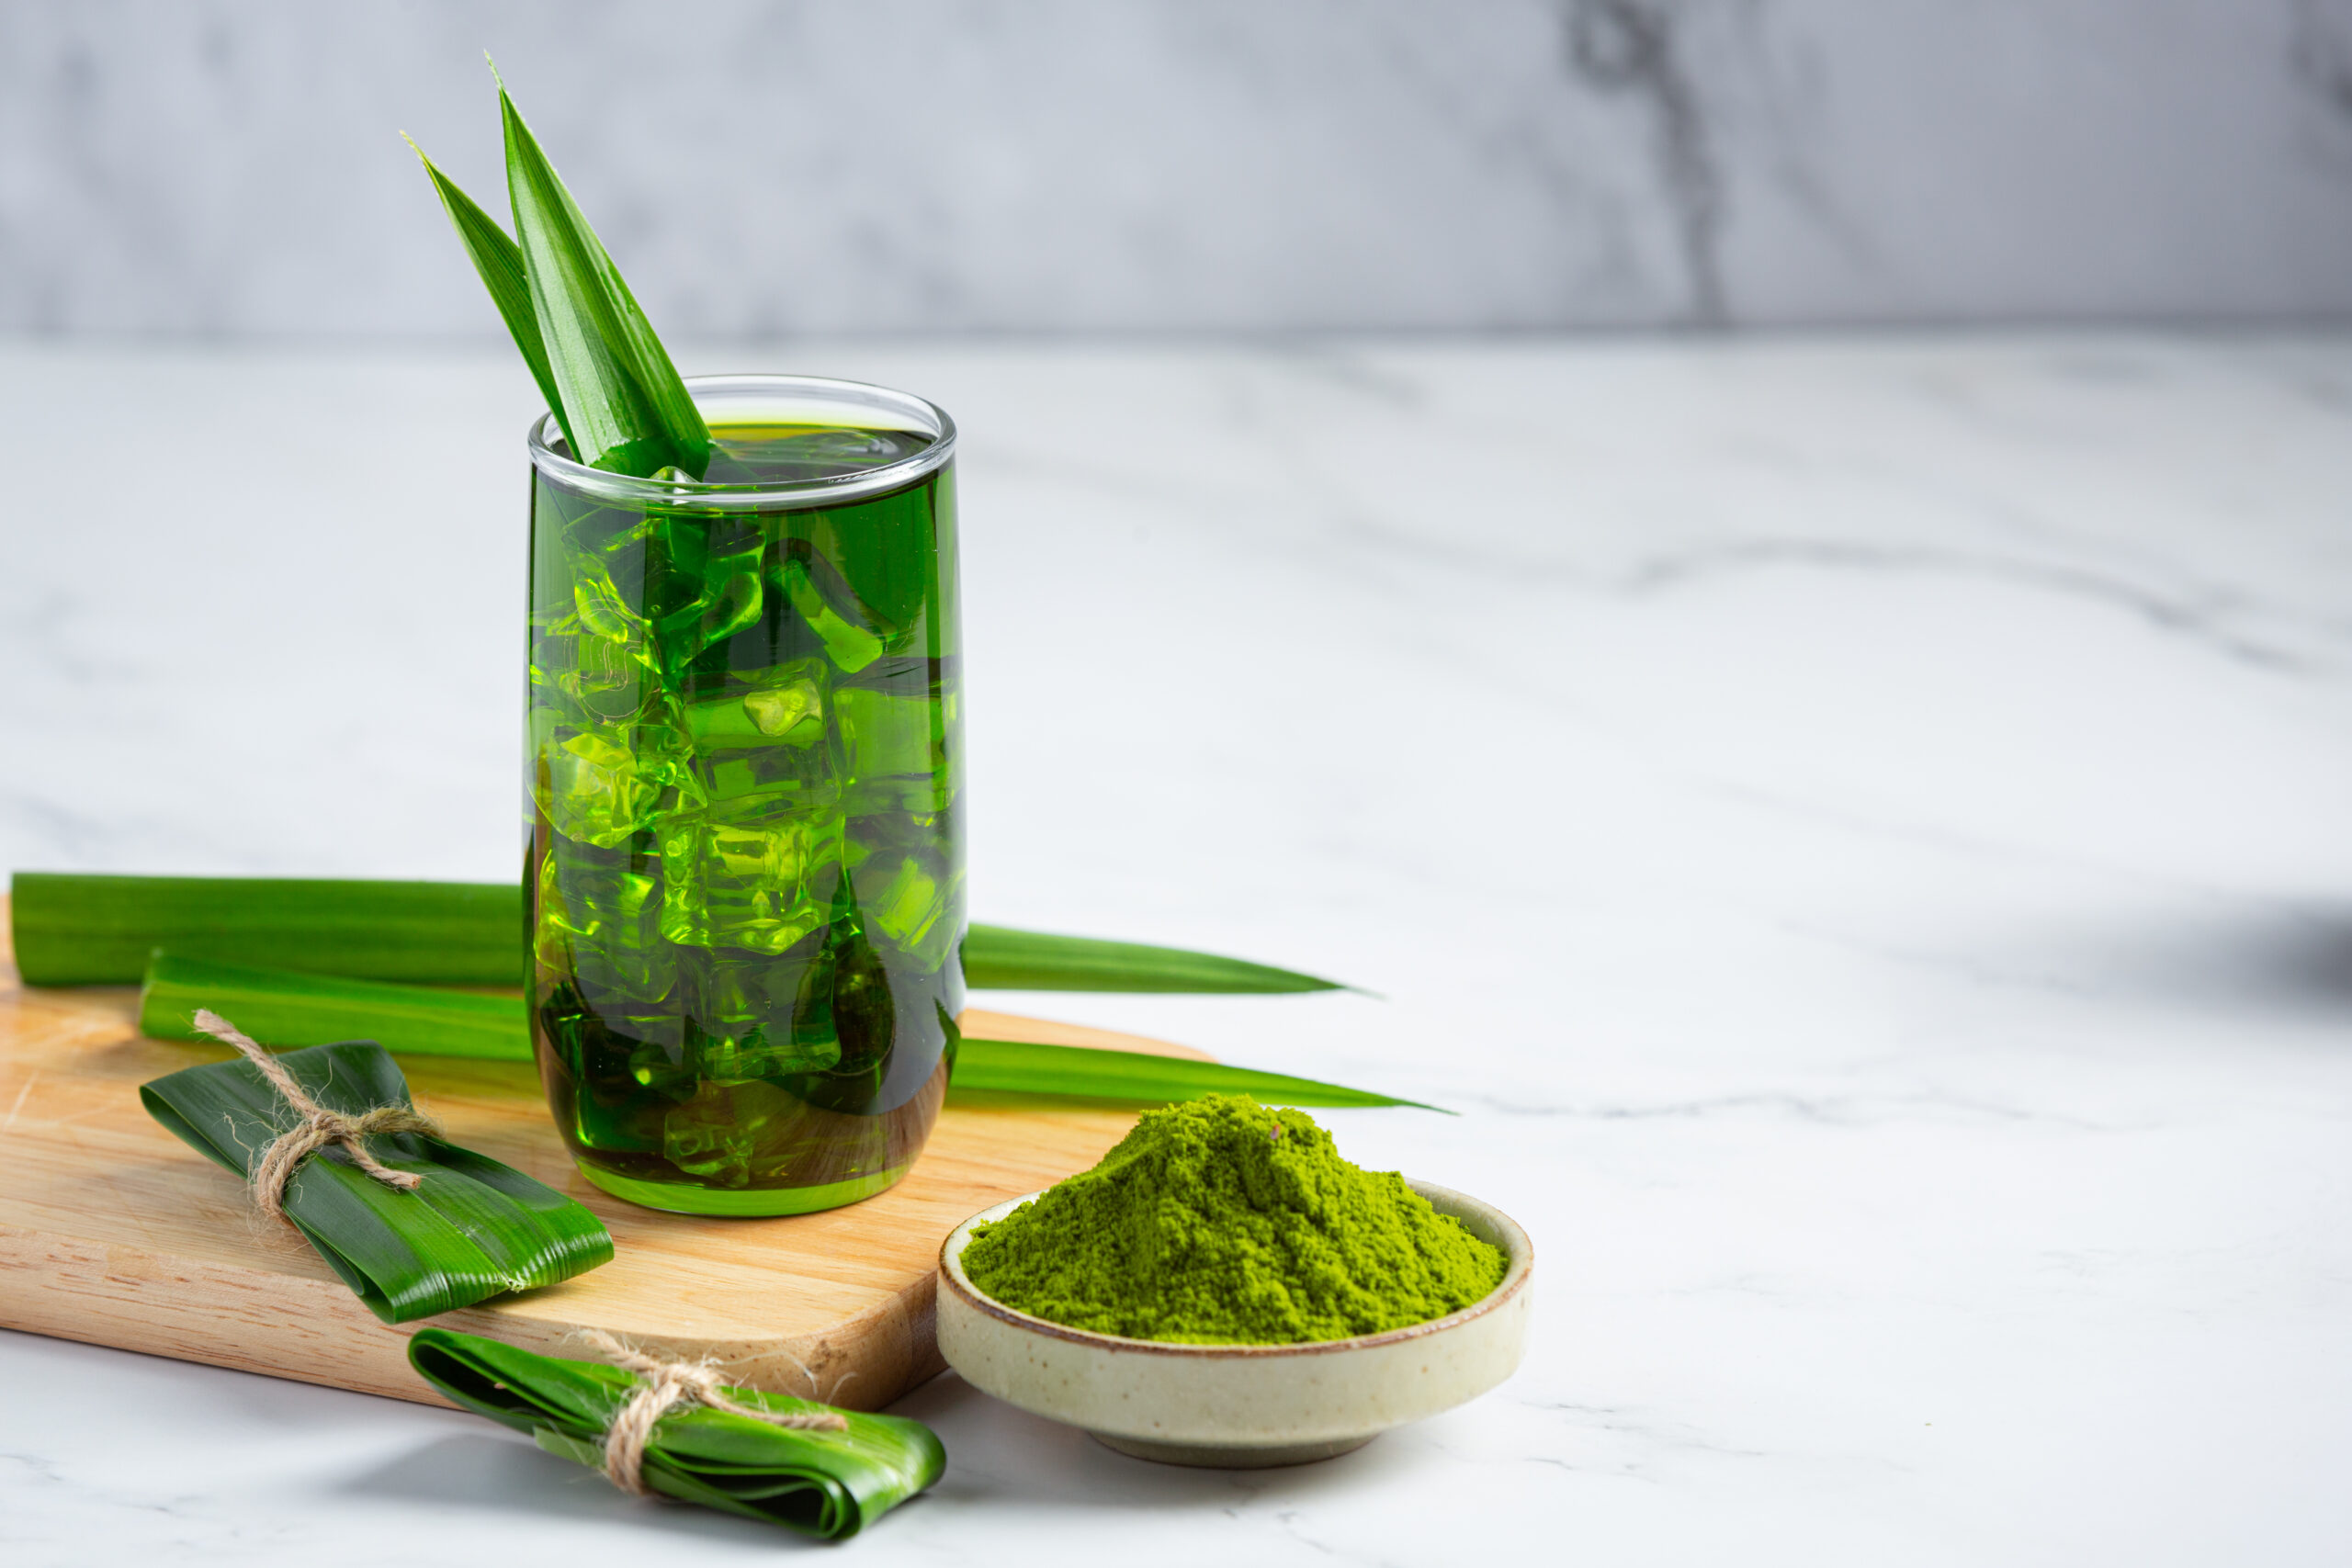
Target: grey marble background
[{"x": 230, "y": 168}]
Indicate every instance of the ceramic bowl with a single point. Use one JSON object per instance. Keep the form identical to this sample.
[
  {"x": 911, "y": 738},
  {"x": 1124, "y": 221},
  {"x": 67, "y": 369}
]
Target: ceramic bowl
[{"x": 1239, "y": 1406}]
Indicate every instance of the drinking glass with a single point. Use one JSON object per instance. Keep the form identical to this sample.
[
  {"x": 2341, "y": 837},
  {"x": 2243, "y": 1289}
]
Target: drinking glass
[{"x": 746, "y": 792}]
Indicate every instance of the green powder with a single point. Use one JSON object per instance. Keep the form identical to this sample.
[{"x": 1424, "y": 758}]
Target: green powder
[{"x": 1222, "y": 1222}]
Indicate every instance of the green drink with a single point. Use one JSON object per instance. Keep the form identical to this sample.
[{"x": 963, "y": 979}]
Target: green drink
[{"x": 745, "y": 768}]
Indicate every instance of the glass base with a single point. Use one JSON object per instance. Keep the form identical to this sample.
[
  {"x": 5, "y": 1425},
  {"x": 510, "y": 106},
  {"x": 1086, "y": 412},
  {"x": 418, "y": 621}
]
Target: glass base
[{"x": 677, "y": 1197}]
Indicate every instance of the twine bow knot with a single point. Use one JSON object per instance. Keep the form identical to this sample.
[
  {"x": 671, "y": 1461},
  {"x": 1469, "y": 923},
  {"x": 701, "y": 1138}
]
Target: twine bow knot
[
  {"x": 318, "y": 1126},
  {"x": 660, "y": 1385}
]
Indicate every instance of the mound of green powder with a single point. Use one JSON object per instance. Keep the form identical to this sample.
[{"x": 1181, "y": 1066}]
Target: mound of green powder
[{"x": 1223, "y": 1221}]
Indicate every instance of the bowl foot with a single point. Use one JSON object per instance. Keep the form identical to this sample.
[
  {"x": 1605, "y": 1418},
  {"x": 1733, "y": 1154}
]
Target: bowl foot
[{"x": 1220, "y": 1456}]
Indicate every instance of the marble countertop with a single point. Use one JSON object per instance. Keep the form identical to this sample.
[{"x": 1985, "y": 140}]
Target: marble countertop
[{"x": 1857, "y": 827}]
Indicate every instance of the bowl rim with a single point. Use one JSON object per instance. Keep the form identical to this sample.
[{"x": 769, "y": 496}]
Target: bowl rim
[{"x": 1517, "y": 1247}]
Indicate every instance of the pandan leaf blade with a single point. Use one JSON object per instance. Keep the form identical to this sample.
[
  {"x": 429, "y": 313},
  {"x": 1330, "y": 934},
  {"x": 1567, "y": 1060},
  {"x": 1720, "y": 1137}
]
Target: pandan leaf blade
[
  {"x": 84, "y": 929},
  {"x": 629, "y": 410},
  {"x": 1017, "y": 1068},
  {"x": 87, "y": 929},
  {"x": 419, "y": 1021},
  {"x": 289, "y": 1008},
  {"x": 1001, "y": 958},
  {"x": 499, "y": 262}
]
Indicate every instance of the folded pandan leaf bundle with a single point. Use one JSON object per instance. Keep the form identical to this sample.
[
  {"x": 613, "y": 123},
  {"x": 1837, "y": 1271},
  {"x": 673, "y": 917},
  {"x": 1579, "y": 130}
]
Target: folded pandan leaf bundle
[
  {"x": 90, "y": 929},
  {"x": 828, "y": 1484},
  {"x": 468, "y": 1229},
  {"x": 292, "y": 1007}
]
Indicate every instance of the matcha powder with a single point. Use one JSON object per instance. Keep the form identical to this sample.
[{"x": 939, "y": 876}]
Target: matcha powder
[{"x": 1223, "y": 1221}]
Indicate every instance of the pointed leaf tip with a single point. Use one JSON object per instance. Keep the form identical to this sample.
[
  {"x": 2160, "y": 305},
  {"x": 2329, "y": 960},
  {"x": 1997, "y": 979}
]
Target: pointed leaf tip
[
  {"x": 630, "y": 412},
  {"x": 499, "y": 262}
]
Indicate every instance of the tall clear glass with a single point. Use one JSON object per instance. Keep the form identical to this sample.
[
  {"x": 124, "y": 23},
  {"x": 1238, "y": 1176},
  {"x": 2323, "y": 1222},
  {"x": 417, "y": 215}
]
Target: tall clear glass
[{"x": 746, "y": 770}]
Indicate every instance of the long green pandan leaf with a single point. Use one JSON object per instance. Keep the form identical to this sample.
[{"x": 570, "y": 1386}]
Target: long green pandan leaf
[
  {"x": 830, "y": 1484},
  {"x": 499, "y": 260},
  {"x": 987, "y": 1068},
  {"x": 80, "y": 929},
  {"x": 474, "y": 1229},
  {"x": 293, "y": 1009},
  {"x": 630, "y": 412},
  {"x": 91, "y": 930},
  {"x": 1000, "y": 957},
  {"x": 288, "y": 1008},
  {"x": 414, "y": 1019}
]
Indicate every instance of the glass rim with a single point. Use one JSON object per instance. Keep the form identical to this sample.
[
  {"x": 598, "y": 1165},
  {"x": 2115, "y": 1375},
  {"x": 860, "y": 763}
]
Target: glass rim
[{"x": 883, "y": 408}]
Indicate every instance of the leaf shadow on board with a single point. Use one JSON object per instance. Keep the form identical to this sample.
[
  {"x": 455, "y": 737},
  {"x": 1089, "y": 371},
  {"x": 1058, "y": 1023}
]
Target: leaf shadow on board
[
  {"x": 999, "y": 1455},
  {"x": 512, "y": 1475}
]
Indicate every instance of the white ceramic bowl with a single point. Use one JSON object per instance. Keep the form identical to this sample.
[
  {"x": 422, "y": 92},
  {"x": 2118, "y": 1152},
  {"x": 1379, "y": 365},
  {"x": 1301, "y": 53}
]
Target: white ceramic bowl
[{"x": 1239, "y": 1406}]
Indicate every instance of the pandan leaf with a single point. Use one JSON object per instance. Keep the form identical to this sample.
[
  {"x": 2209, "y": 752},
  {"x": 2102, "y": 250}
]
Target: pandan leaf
[
  {"x": 89, "y": 929},
  {"x": 1016, "y": 1068},
  {"x": 630, "y": 413},
  {"x": 826, "y": 1483},
  {"x": 473, "y": 1229},
  {"x": 500, "y": 261},
  {"x": 80, "y": 929},
  {"x": 289, "y": 1008},
  {"x": 417, "y": 1020},
  {"x": 1002, "y": 958}
]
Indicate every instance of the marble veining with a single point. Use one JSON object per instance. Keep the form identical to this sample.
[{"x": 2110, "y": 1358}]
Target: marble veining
[
  {"x": 1631, "y": 46},
  {"x": 1853, "y": 827},
  {"x": 229, "y": 169}
]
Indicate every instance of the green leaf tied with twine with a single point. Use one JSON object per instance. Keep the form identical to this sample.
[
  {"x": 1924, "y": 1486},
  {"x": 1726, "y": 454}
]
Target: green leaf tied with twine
[
  {"x": 332, "y": 1143},
  {"x": 654, "y": 1426}
]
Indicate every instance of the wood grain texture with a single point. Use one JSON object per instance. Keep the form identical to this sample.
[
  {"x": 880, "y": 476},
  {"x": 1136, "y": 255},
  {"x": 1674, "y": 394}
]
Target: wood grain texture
[{"x": 114, "y": 1231}]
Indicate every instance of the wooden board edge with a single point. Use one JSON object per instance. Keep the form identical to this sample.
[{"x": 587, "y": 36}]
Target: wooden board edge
[
  {"x": 127, "y": 1299},
  {"x": 862, "y": 1361}
]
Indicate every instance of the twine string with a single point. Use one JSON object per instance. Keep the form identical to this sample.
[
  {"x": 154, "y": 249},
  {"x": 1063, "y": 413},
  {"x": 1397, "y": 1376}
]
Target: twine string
[
  {"x": 318, "y": 1126},
  {"x": 663, "y": 1385}
]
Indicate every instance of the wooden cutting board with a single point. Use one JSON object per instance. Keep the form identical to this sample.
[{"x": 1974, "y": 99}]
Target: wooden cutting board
[{"x": 114, "y": 1231}]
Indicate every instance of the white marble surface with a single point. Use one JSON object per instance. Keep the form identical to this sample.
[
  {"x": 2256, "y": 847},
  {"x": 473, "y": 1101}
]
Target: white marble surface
[
  {"x": 229, "y": 168},
  {"x": 1856, "y": 827}
]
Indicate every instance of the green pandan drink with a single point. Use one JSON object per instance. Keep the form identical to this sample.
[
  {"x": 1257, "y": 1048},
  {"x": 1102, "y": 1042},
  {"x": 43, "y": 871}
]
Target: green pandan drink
[
  {"x": 745, "y": 883},
  {"x": 746, "y": 870}
]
